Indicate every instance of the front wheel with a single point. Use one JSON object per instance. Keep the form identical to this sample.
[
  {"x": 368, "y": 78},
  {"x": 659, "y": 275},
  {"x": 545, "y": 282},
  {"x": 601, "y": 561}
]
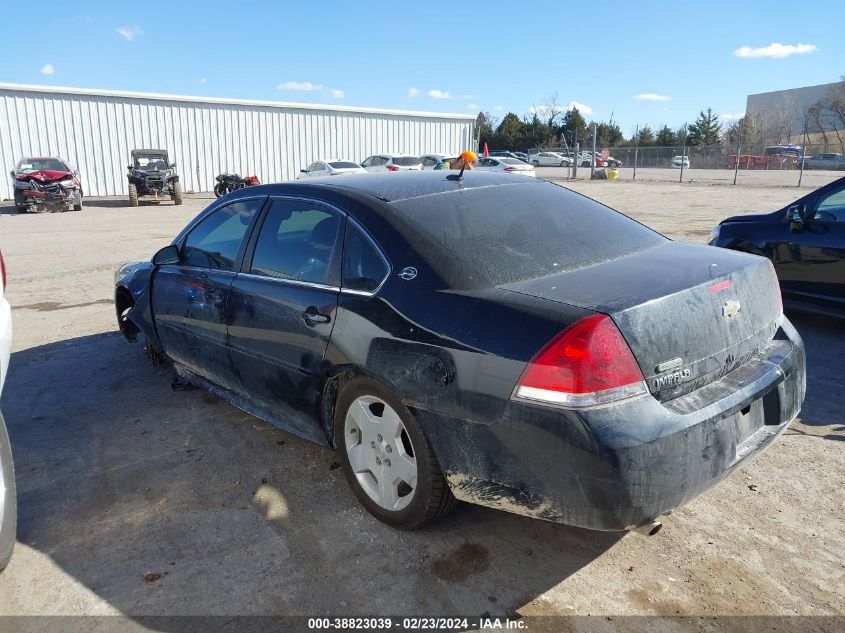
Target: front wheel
[
  {"x": 20, "y": 201},
  {"x": 133, "y": 195},
  {"x": 535, "y": 163},
  {"x": 8, "y": 499},
  {"x": 387, "y": 459},
  {"x": 176, "y": 196},
  {"x": 219, "y": 190}
]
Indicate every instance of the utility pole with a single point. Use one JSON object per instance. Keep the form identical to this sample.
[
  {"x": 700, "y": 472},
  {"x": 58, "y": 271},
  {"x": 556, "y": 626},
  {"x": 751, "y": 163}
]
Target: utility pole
[
  {"x": 803, "y": 149},
  {"x": 683, "y": 154},
  {"x": 636, "y": 150},
  {"x": 593, "y": 162},
  {"x": 738, "y": 149}
]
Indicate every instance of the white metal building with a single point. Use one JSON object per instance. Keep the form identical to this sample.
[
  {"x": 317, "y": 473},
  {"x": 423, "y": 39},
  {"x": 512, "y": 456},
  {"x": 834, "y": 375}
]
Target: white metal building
[{"x": 96, "y": 129}]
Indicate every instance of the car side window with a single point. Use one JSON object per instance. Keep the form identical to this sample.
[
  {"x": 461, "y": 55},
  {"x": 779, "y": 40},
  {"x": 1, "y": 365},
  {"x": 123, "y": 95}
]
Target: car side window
[
  {"x": 367, "y": 161},
  {"x": 215, "y": 242},
  {"x": 379, "y": 161},
  {"x": 831, "y": 208},
  {"x": 299, "y": 241},
  {"x": 363, "y": 266}
]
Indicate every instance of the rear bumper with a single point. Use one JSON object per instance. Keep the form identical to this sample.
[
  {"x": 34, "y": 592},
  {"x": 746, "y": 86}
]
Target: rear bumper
[{"x": 623, "y": 465}]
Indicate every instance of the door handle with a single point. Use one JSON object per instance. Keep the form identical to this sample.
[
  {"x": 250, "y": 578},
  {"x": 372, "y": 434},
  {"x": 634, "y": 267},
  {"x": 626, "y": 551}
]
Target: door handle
[{"x": 312, "y": 316}]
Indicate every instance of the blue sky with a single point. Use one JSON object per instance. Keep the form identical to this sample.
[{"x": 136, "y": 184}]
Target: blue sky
[{"x": 678, "y": 57}]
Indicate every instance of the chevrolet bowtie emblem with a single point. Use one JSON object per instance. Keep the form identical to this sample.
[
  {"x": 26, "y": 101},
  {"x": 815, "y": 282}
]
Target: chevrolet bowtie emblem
[{"x": 731, "y": 308}]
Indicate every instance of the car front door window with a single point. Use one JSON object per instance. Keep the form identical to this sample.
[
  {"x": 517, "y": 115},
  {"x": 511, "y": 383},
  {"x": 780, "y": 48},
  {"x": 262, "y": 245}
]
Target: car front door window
[
  {"x": 831, "y": 208},
  {"x": 216, "y": 241}
]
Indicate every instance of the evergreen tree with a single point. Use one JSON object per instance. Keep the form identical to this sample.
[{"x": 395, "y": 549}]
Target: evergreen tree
[
  {"x": 574, "y": 126},
  {"x": 646, "y": 136},
  {"x": 510, "y": 132},
  {"x": 665, "y": 137},
  {"x": 705, "y": 130}
]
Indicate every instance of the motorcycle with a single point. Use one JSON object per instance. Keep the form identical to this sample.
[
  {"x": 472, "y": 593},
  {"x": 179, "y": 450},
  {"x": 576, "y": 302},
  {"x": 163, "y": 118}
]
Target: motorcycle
[{"x": 226, "y": 183}]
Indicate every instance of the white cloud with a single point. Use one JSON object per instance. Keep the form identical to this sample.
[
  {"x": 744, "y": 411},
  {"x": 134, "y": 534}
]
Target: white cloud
[
  {"x": 498, "y": 108},
  {"x": 776, "y": 50},
  {"x": 337, "y": 94},
  {"x": 650, "y": 96},
  {"x": 201, "y": 80},
  {"x": 439, "y": 94},
  {"x": 731, "y": 117},
  {"x": 48, "y": 69},
  {"x": 583, "y": 108},
  {"x": 413, "y": 92},
  {"x": 304, "y": 86},
  {"x": 129, "y": 33},
  {"x": 472, "y": 106}
]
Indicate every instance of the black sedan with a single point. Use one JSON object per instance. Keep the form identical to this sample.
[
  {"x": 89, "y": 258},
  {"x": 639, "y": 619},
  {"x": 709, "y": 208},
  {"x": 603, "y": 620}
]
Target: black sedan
[
  {"x": 806, "y": 243},
  {"x": 497, "y": 340}
]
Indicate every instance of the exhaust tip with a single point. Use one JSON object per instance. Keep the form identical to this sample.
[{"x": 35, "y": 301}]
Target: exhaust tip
[{"x": 649, "y": 529}]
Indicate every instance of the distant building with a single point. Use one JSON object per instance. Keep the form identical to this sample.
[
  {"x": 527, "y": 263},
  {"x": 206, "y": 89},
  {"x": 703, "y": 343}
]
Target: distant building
[
  {"x": 782, "y": 112},
  {"x": 96, "y": 129}
]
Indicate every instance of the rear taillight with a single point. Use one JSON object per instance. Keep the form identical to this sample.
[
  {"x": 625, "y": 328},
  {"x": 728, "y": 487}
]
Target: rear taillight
[
  {"x": 2, "y": 272},
  {"x": 392, "y": 168},
  {"x": 587, "y": 364},
  {"x": 509, "y": 169}
]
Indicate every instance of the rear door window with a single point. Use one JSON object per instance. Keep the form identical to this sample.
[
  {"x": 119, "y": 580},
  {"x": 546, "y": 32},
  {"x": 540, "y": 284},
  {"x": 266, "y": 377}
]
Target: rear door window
[
  {"x": 299, "y": 241},
  {"x": 406, "y": 161},
  {"x": 216, "y": 241}
]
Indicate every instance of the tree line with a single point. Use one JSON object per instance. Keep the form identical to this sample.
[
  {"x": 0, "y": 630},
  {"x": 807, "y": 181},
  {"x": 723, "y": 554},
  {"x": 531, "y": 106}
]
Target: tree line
[{"x": 551, "y": 126}]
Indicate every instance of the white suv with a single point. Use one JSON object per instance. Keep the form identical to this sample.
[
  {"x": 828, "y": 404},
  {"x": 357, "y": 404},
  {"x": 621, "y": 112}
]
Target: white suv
[
  {"x": 392, "y": 162},
  {"x": 8, "y": 507}
]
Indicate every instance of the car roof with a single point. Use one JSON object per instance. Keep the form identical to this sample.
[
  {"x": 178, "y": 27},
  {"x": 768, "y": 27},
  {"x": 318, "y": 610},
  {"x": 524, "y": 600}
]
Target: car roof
[
  {"x": 392, "y": 186},
  {"x": 141, "y": 152}
]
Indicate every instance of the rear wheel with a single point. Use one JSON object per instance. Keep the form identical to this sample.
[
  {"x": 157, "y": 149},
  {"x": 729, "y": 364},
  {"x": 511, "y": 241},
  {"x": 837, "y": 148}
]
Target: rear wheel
[
  {"x": 133, "y": 195},
  {"x": 219, "y": 189},
  {"x": 176, "y": 196},
  {"x": 8, "y": 500},
  {"x": 387, "y": 459},
  {"x": 535, "y": 163}
]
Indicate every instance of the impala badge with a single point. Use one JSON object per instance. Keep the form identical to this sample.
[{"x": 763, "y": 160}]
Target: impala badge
[
  {"x": 731, "y": 308},
  {"x": 408, "y": 273}
]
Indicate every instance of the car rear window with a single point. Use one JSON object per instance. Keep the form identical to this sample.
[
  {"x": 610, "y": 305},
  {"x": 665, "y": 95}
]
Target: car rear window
[
  {"x": 344, "y": 165},
  {"x": 509, "y": 233},
  {"x": 406, "y": 161},
  {"x": 511, "y": 161}
]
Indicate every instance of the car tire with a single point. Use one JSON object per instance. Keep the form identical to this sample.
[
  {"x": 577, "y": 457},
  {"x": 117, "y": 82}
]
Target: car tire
[
  {"x": 20, "y": 202},
  {"x": 176, "y": 196},
  {"x": 133, "y": 195},
  {"x": 535, "y": 163},
  {"x": 8, "y": 499},
  {"x": 219, "y": 190},
  {"x": 78, "y": 206},
  {"x": 366, "y": 456}
]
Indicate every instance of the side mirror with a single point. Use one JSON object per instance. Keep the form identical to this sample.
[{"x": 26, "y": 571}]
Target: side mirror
[
  {"x": 12, "y": 173},
  {"x": 167, "y": 255},
  {"x": 302, "y": 171},
  {"x": 129, "y": 167},
  {"x": 172, "y": 165},
  {"x": 796, "y": 218}
]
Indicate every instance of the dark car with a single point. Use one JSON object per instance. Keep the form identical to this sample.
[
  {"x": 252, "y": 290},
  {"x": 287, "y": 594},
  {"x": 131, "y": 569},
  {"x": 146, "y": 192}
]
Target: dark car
[
  {"x": 825, "y": 161},
  {"x": 806, "y": 243},
  {"x": 511, "y": 344},
  {"x": 46, "y": 184}
]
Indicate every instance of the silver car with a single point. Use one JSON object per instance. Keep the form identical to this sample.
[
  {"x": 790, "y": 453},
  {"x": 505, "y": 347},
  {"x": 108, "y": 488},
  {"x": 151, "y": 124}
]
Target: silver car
[
  {"x": 825, "y": 161},
  {"x": 8, "y": 507}
]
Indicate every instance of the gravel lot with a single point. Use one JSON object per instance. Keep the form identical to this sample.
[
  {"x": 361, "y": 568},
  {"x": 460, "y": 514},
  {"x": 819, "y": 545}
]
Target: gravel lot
[{"x": 120, "y": 476}]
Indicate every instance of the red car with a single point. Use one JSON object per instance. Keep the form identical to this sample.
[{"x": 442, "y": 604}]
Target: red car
[{"x": 46, "y": 184}]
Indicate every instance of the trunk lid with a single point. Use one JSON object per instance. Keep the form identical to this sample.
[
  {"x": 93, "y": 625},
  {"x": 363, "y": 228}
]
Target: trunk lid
[{"x": 689, "y": 313}]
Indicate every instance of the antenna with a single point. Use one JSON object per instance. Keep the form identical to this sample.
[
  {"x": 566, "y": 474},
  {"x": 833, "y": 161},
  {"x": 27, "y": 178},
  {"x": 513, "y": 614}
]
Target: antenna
[{"x": 459, "y": 175}]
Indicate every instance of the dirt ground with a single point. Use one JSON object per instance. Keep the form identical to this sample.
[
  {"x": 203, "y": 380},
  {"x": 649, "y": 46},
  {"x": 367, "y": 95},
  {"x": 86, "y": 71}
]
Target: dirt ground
[{"x": 121, "y": 477}]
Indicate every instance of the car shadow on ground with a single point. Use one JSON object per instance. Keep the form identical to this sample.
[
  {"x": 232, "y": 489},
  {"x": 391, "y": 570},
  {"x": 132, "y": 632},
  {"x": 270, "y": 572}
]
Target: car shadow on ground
[
  {"x": 824, "y": 405},
  {"x": 171, "y": 502}
]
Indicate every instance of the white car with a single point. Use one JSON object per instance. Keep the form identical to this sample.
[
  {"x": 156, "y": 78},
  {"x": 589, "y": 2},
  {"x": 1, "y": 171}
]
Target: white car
[
  {"x": 502, "y": 163},
  {"x": 677, "y": 161},
  {"x": 8, "y": 501},
  {"x": 549, "y": 159},
  {"x": 330, "y": 167},
  {"x": 392, "y": 162},
  {"x": 431, "y": 161}
]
